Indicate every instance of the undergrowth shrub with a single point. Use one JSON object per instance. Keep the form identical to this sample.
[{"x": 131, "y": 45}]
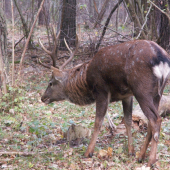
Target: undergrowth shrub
[{"x": 13, "y": 101}]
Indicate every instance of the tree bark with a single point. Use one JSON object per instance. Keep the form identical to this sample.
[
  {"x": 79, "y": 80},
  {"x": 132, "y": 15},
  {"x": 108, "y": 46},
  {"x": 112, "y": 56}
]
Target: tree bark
[
  {"x": 68, "y": 24},
  {"x": 93, "y": 11},
  {"x": 101, "y": 14},
  {"x": 29, "y": 36},
  {"x": 164, "y": 29},
  {"x": 25, "y": 26},
  {"x": 8, "y": 9},
  {"x": 106, "y": 24},
  {"x": 3, "y": 53},
  {"x": 44, "y": 17},
  {"x": 136, "y": 12}
]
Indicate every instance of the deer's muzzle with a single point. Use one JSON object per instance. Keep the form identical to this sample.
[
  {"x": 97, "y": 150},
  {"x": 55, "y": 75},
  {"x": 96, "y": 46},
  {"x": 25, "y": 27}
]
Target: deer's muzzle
[{"x": 45, "y": 100}]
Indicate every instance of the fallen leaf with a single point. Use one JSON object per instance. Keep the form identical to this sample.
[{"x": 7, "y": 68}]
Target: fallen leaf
[
  {"x": 137, "y": 155},
  {"x": 120, "y": 150},
  {"x": 110, "y": 151},
  {"x": 167, "y": 142},
  {"x": 102, "y": 153},
  {"x": 73, "y": 166},
  {"x": 87, "y": 161},
  {"x": 158, "y": 164},
  {"x": 143, "y": 168}
]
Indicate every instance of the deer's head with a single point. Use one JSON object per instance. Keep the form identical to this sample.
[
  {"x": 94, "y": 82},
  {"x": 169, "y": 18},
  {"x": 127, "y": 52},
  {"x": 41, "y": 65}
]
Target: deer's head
[{"x": 55, "y": 89}]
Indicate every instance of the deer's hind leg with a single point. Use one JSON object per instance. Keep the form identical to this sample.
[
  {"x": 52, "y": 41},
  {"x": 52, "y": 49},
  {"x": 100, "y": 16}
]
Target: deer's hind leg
[
  {"x": 127, "y": 109},
  {"x": 149, "y": 106}
]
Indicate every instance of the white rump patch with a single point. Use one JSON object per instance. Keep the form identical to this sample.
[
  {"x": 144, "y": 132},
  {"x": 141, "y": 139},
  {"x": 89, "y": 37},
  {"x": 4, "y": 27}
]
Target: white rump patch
[{"x": 161, "y": 70}]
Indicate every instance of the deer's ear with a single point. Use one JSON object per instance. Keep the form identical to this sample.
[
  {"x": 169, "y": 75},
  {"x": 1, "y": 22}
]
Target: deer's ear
[{"x": 58, "y": 74}]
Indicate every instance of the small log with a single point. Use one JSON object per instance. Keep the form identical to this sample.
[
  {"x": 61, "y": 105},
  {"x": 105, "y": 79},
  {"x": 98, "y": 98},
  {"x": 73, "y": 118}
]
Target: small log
[{"x": 164, "y": 109}]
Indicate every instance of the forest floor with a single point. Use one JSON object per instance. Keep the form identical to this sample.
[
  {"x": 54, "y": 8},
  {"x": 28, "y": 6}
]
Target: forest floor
[{"x": 31, "y": 133}]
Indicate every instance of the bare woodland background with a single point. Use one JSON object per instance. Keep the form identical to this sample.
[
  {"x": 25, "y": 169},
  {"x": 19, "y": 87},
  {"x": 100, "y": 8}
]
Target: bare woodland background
[{"x": 96, "y": 24}]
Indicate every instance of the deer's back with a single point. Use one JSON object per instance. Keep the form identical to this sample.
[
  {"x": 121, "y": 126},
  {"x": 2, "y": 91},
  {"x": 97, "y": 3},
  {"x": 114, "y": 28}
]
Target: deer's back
[{"x": 121, "y": 68}]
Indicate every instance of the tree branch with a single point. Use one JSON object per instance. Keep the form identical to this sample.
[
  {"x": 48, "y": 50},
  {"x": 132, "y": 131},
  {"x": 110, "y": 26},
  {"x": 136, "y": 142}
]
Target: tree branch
[
  {"x": 101, "y": 14},
  {"x": 168, "y": 16},
  {"x": 29, "y": 36},
  {"x": 144, "y": 22},
  {"x": 106, "y": 24},
  {"x": 135, "y": 16}
]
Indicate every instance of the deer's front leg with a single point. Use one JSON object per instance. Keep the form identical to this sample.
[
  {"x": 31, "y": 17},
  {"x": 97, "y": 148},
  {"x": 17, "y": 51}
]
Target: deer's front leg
[{"x": 101, "y": 107}]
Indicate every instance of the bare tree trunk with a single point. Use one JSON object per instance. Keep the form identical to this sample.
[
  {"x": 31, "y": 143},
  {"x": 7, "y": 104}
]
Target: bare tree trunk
[
  {"x": 29, "y": 36},
  {"x": 164, "y": 29},
  {"x": 3, "y": 53},
  {"x": 93, "y": 11},
  {"x": 136, "y": 11},
  {"x": 25, "y": 26},
  {"x": 8, "y": 8},
  {"x": 44, "y": 17},
  {"x": 101, "y": 14},
  {"x": 3, "y": 89},
  {"x": 106, "y": 24},
  {"x": 68, "y": 24},
  {"x": 13, "y": 54},
  {"x": 41, "y": 18}
]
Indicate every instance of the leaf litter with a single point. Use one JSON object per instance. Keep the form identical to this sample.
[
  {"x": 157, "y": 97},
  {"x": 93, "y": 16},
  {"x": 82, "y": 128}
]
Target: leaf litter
[{"x": 32, "y": 134}]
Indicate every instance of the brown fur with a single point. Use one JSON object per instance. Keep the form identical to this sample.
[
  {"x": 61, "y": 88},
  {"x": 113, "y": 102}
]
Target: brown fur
[
  {"x": 76, "y": 86},
  {"x": 117, "y": 73}
]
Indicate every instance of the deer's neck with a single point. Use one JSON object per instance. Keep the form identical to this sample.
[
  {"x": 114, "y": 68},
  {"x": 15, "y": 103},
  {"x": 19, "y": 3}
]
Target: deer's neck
[{"x": 76, "y": 87}]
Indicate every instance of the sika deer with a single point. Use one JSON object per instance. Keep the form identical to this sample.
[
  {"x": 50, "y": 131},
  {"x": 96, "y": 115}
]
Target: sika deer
[{"x": 137, "y": 68}]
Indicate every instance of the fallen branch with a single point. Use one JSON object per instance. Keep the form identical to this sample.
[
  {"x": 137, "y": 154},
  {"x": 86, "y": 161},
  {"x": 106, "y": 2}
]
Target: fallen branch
[
  {"x": 26, "y": 153},
  {"x": 17, "y": 153},
  {"x": 164, "y": 108}
]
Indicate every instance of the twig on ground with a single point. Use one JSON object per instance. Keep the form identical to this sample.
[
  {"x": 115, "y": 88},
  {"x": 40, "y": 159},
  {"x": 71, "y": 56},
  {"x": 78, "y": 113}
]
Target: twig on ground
[
  {"x": 26, "y": 153},
  {"x": 17, "y": 153}
]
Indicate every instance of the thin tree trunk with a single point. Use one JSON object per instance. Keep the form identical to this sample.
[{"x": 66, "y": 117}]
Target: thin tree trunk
[
  {"x": 95, "y": 7},
  {"x": 12, "y": 11},
  {"x": 137, "y": 19},
  {"x": 68, "y": 24},
  {"x": 44, "y": 16},
  {"x": 164, "y": 26},
  {"x": 93, "y": 11},
  {"x": 101, "y": 14},
  {"x": 29, "y": 36},
  {"x": 106, "y": 24},
  {"x": 3, "y": 88},
  {"x": 25, "y": 26},
  {"x": 8, "y": 9},
  {"x": 3, "y": 53}
]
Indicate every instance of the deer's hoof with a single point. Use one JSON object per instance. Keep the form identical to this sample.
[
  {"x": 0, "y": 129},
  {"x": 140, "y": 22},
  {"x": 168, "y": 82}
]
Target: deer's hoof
[
  {"x": 151, "y": 163},
  {"x": 131, "y": 151},
  {"x": 132, "y": 154},
  {"x": 140, "y": 160},
  {"x": 90, "y": 155}
]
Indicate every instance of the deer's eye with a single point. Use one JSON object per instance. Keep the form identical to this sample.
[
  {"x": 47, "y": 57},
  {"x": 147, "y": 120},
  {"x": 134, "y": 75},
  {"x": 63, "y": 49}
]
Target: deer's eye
[{"x": 50, "y": 84}]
